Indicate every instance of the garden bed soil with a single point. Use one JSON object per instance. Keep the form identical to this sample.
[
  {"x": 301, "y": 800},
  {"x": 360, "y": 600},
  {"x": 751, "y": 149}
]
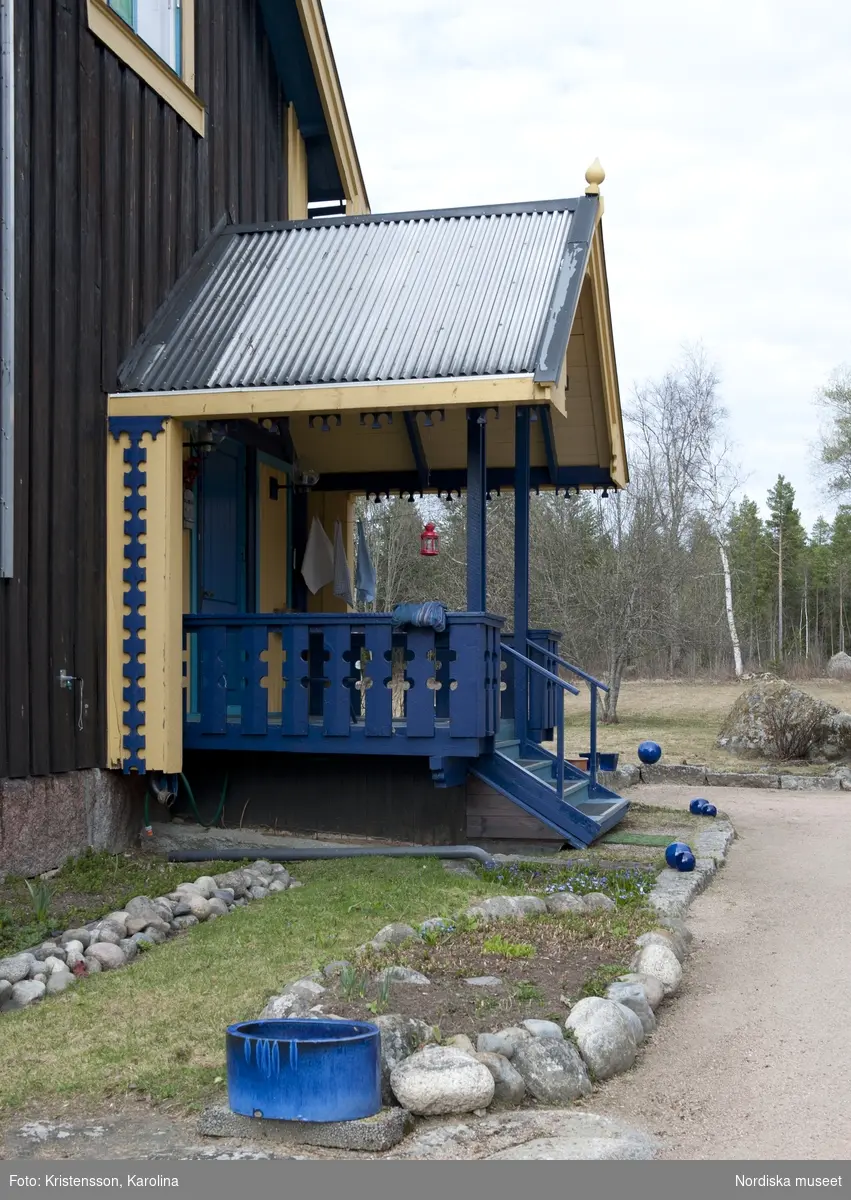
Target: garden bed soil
[{"x": 570, "y": 960}]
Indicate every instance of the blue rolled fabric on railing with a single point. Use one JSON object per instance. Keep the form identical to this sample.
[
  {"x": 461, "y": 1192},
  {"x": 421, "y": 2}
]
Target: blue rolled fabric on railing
[{"x": 419, "y": 616}]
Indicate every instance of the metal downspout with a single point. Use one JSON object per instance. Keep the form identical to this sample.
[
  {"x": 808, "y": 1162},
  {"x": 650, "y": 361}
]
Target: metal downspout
[{"x": 7, "y": 290}]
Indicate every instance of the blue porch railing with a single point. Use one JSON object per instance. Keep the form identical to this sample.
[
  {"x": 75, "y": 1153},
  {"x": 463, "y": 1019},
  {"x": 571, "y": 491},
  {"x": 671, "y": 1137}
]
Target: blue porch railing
[
  {"x": 552, "y": 662},
  {"x": 560, "y": 686},
  {"x": 348, "y": 682}
]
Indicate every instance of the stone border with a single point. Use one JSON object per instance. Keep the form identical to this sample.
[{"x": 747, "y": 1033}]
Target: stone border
[
  {"x": 702, "y": 776},
  {"x": 506, "y": 1068},
  {"x": 115, "y": 940}
]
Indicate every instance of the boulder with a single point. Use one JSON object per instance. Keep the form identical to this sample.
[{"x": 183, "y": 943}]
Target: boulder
[
  {"x": 142, "y": 908},
  {"x": 306, "y": 989},
  {"x": 110, "y": 956},
  {"x": 400, "y": 1038},
  {"x": 257, "y": 892},
  {"x": 461, "y": 1042},
  {"x": 284, "y": 1007},
  {"x": 662, "y": 963},
  {"x": 198, "y": 906},
  {"x": 484, "y": 981},
  {"x": 505, "y": 1042},
  {"x": 776, "y": 721},
  {"x": 25, "y": 993},
  {"x": 53, "y": 964},
  {"x": 508, "y": 1084},
  {"x": 129, "y": 948},
  {"x": 543, "y": 1028},
  {"x": 107, "y": 933},
  {"x": 634, "y": 997},
  {"x": 598, "y": 902},
  {"x": 562, "y": 903},
  {"x": 604, "y": 1036},
  {"x": 217, "y": 908},
  {"x": 662, "y": 937},
  {"x": 206, "y": 886},
  {"x": 333, "y": 970},
  {"x": 16, "y": 968},
  {"x": 83, "y": 936},
  {"x": 407, "y": 975},
  {"x": 59, "y": 981},
  {"x": 277, "y": 885},
  {"x": 441, "y": 1079},
  {"x": 395, "y": 934},
  {"x": 552, "y": 1070},
  {"x": 839, "y": 667},
  {"x": 5, "y": 990},
  {"x": 649, "y": 984},
  {"x": 185, "y": 921},
  {"x": 496, "y": 908},
  {"x": 633, "y": 1020}
]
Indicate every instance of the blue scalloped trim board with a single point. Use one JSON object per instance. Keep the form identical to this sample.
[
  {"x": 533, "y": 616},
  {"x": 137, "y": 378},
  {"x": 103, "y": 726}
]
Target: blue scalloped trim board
[{"x": 135, "y": 575}]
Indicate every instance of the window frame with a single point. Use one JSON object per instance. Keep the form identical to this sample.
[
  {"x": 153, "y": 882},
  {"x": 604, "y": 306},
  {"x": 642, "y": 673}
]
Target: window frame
[{"x": 177, "y": 90}]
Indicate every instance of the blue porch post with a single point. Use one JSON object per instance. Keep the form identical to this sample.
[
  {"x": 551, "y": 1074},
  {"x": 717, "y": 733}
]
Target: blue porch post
[
  {"x": 477, "y": 599},
  {"x": 522, "y": 452}
]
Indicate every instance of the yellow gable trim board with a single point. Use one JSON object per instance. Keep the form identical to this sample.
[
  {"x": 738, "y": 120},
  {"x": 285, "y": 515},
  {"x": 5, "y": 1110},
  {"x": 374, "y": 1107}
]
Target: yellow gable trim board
[
  {"x": 333, "y": 104},
  {"x": 296, "y": 169},
  {"x": 163, "y": 607},
  {"x": 239, "y": 403},
  {"x": 608, "y": 366}
]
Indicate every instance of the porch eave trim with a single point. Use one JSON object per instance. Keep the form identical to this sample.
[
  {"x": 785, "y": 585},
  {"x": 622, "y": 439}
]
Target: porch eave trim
[{"x": 208, "y": 403}]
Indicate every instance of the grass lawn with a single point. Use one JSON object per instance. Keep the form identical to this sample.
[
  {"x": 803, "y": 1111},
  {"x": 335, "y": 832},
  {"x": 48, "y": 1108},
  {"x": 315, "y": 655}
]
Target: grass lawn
[
  {"x": 685, "y": 719},
  {"x": 156, "y": 1028}
]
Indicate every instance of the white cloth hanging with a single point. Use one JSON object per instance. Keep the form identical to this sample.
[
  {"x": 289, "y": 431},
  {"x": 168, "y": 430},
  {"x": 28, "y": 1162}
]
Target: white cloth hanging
[
  {"x": 317, "y": 569},
  {"x": 342, "y": 574}
]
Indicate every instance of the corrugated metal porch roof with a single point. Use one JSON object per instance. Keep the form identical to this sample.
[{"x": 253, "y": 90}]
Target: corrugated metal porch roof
[{"x": 457, "y": 293}]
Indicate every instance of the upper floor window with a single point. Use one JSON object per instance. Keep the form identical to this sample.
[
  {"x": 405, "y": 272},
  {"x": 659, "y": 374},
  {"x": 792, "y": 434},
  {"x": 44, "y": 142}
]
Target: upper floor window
[
  {"x": 156, "y": 40},
  {"x": 157, "y": 22}
]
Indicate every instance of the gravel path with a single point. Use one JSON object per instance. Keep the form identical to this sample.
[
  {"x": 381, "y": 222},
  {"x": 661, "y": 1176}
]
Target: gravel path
[{"x": 753, "y": 1058}]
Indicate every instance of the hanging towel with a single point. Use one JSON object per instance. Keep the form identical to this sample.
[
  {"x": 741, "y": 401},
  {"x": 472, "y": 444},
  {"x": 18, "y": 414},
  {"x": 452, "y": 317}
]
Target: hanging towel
[
  {"x": 318, "y": 565},
  {"x": 365, "y": 580},
  {"x": 342, "y": 575}
]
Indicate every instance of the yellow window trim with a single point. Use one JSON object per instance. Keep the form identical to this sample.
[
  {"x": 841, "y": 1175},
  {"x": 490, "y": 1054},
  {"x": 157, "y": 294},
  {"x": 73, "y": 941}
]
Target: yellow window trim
[{"x": 179, "y": 93}]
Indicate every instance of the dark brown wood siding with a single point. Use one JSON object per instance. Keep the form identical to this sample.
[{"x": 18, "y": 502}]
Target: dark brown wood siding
[{"x": 115, "y": 193}]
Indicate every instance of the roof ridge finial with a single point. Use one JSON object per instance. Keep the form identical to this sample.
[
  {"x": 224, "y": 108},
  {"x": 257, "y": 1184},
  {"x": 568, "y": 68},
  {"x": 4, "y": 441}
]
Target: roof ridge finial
[{"x": 594, "y": 176}]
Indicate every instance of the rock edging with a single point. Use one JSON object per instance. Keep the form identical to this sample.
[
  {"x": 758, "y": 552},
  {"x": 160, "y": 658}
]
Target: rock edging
[
  {"x": 703, "y": 776},
  {"x": 114, "y": 941}
]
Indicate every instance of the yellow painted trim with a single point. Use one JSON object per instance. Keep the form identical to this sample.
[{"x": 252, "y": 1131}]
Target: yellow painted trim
[
  {"x": 608, "y": 365},
  {"x": 163, "y": 656},
  {"x": 109, "y": 28},
  {"x": 163, "y": 608},
  {"x": 115, "y": 610},
  {"x": 333, "y": 104},
  {"x": 296, "y": 169},
  {"x": 352, "y": 397}
]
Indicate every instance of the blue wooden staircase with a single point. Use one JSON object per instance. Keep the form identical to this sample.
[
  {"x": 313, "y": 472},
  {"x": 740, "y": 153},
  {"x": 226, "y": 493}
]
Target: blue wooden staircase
[{"x": 562, "y": 796}]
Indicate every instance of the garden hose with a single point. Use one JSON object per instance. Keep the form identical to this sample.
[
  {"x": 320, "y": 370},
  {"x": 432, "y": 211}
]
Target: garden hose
[{"x": 191, "y": 796}]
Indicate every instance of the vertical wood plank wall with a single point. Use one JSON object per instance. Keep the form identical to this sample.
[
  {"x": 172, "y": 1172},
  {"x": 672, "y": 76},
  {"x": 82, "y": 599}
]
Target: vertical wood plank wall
[{"x": 115, "y": 194}]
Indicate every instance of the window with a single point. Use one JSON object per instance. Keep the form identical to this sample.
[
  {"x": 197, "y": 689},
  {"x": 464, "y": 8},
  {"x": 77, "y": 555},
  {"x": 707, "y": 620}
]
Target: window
[
  {"x": 156, "y": 22},
  {"x": 156, "y": 40}
]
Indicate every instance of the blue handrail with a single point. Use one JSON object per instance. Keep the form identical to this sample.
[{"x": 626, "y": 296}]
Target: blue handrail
[
  {"x": 567, "y": 666},
  {"x": 564, "y": 686},
  {"x": 594, "y": 685}
]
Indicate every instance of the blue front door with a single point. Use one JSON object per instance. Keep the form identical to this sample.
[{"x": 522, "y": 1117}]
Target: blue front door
[{"x": 222, "y": 569}]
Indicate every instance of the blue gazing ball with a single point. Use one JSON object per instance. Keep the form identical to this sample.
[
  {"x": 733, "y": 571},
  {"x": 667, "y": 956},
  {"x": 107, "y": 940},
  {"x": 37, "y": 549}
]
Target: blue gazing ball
[
  {"x": 697, "y": 806},
  {"x": 685, "y": 861},
  {"x": 711, "y": 810},
  {"x": 649, "y": 752},
  {"x": 675, "y": 849}
]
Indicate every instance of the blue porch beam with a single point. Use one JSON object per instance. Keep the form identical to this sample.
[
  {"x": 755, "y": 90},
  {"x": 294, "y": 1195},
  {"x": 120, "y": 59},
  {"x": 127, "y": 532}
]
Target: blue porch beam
[
  {"x": 455, "y": 479},
  {"x": 476, "y": 510},
  {"x": 545, "y": 417},
  {"x": 522, "y": 483},
  {"x": 417, "y": 448}
]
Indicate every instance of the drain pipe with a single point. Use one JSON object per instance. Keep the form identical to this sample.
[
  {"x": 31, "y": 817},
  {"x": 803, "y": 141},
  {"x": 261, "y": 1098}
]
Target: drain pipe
[
  {"x": 7, "y": 289},
  {"x": 295, "y": 855}
]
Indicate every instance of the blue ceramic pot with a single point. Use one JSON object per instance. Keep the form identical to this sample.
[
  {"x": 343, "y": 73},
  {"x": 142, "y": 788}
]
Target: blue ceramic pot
[
  {"x": 649, "y": 752},
  {"x": 293, "y": 1070}
]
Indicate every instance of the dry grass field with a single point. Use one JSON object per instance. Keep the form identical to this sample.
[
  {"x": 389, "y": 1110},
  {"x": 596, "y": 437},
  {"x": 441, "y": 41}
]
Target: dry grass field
[{"x": 684, "y": 718}]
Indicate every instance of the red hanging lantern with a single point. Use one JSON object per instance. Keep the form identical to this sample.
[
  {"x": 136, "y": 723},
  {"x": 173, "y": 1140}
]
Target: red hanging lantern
[{"x": 429, "y": 541}]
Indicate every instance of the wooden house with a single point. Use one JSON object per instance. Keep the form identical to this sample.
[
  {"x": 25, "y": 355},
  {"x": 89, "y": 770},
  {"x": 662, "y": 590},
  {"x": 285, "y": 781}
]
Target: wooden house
[{"x": 210, "y": 344}]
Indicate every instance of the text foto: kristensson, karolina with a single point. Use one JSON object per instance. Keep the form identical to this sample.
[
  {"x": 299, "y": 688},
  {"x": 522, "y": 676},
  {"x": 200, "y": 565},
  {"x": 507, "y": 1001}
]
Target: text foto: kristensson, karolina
[{"x": 94, "y": 1181}]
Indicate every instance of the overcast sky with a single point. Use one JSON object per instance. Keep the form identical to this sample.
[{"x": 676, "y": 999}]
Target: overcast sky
[{"x": 724, "y": 132}]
